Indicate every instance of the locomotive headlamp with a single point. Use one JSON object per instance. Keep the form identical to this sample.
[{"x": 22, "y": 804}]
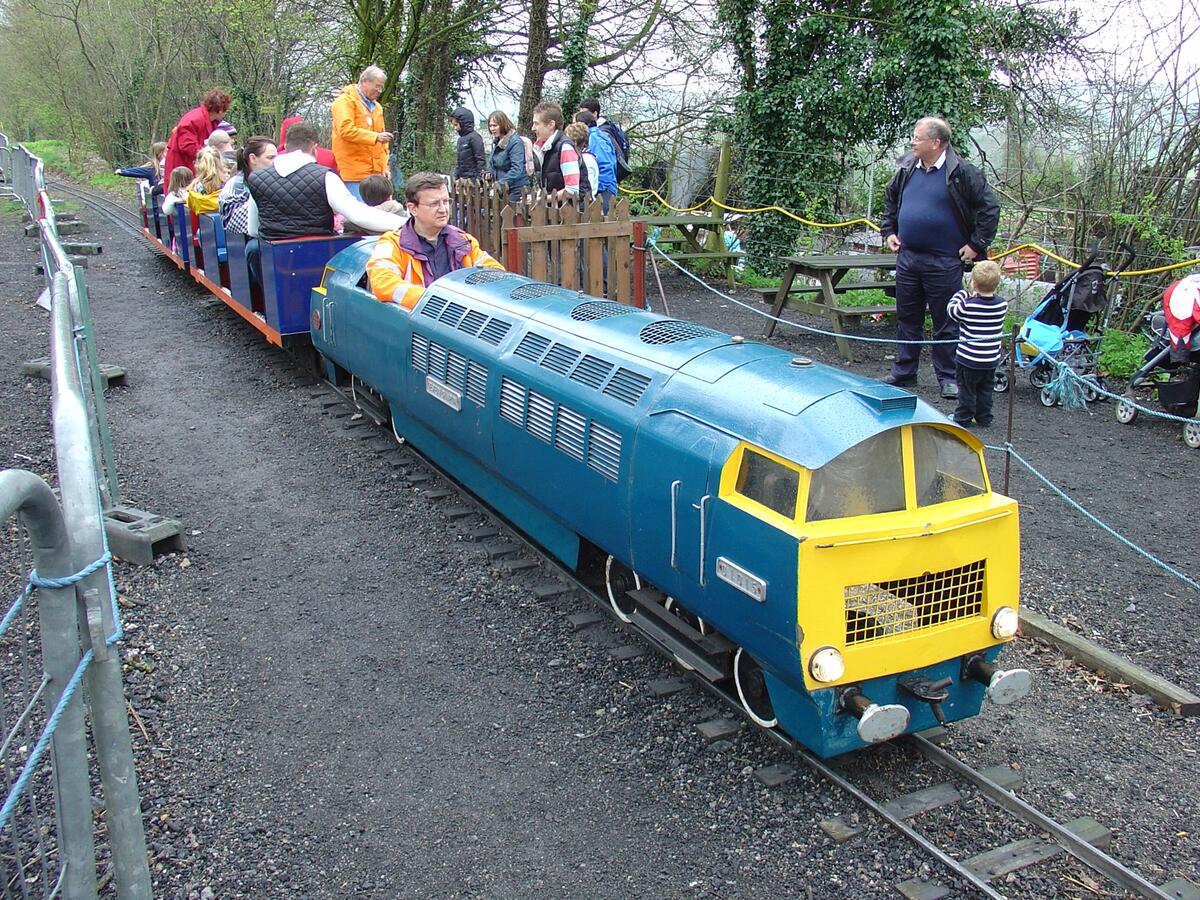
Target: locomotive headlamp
[
  {"x": 1004, "y": 623},
  {"x": 827, "y": 665}
]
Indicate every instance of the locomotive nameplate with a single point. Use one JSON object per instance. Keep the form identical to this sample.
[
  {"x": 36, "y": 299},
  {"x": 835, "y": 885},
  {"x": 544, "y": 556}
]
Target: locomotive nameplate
[
  {"x": 443, "y": 392},
  {"x": 750, "y": 585}
]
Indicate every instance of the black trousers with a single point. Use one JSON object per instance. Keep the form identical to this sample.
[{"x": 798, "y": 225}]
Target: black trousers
[
  {"x": 925, "y": 281},
  {"x": 974, "y": 395}
]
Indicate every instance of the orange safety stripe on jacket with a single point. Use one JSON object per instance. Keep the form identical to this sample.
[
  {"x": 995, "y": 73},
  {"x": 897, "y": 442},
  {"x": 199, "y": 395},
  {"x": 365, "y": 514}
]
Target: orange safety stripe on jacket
[
  {"x": 391, "y": 267},
  {"x": 354, "y": 131}
]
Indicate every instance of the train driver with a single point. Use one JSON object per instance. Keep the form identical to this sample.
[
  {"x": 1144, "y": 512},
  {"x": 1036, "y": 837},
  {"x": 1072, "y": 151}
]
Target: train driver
[{"x": 407, "y": 261}]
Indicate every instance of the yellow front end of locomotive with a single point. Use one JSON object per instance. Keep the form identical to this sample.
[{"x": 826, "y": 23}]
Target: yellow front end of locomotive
[{"x": 933, "y": 576}]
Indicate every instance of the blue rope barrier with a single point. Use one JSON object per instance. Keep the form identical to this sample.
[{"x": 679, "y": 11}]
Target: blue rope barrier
[
  {"x": 67, "y": 580},
  {"x": 808, "y": 328},
  {"x": 1008, "y": 448},
  {"x": 1067, "y": 373},
  {"x": 22, "y": 781}
]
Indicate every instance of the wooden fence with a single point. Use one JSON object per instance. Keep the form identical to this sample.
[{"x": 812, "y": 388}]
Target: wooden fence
[{"x": 568, "y": 243}]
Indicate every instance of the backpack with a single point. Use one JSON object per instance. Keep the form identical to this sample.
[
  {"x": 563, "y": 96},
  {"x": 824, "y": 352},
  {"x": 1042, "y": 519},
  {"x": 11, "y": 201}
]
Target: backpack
[
  {"x": 532, "y": 165},
  {"x": 620, "y": 142}
]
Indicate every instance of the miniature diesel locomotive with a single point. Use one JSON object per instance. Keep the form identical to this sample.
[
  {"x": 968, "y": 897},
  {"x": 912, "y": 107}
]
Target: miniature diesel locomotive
[{"x": 826, "y": 546}]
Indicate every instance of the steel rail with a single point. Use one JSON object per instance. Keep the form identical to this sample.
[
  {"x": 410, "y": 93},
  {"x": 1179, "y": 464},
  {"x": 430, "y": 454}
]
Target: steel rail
[
  {"x": 110, "y": 209},
  {"x": 1083, "y": 851}
]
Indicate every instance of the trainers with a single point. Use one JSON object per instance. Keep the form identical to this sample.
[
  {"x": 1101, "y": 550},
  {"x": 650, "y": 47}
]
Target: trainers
[
  {"x": 949, "y": 390},
  {"x": 901, "y": 380}
]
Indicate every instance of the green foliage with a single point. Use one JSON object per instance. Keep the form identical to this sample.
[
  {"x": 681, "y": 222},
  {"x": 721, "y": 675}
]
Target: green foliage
[
  {"x": 12, "y": 208},
  {"x": 1121, "y": 354},
  {"x": 56, "y": 156},
  {"x": 107, "y": 181},
  {"x": 1149, "y": 226},
  {"x": 575, "y": 55},
  {"x": 821, "y": 78}
]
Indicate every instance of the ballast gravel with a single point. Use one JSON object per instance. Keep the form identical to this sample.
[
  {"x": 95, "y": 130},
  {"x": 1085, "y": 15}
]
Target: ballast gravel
[{"x": 337, "y": 695}]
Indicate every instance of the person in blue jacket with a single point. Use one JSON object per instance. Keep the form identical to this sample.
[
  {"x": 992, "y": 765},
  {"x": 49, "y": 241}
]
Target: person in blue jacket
[
  {"x": 606, "y": 158},
  {"x": 507, "y": 164},
  {"x": 152, "y": 170}
]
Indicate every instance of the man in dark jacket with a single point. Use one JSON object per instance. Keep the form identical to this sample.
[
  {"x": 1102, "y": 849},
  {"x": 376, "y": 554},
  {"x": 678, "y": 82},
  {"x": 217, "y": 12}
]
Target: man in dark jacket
[
  {"x": 939, "y": 213},
  {"x": 469, "y": 162}
]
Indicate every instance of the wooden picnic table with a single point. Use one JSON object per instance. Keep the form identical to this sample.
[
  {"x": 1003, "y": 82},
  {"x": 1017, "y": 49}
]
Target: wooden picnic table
[
  {"x": 694, "y": 229},
  {"x": 828, "y": 270}
]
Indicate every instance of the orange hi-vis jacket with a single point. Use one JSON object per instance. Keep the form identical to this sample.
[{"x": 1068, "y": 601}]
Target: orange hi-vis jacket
[
  {"x": 395, "y": 268},
  {"x": 354, "y": 130}
]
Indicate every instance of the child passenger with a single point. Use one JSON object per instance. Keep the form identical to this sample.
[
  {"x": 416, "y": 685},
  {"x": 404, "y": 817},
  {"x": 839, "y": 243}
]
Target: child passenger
[
  {"x": 375, "y": 190},
  {"x": 980, "y": 314}
]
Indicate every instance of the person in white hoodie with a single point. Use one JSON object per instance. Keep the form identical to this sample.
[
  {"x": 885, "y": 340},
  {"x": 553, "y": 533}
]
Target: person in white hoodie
[{"x": 297, "y": 197}]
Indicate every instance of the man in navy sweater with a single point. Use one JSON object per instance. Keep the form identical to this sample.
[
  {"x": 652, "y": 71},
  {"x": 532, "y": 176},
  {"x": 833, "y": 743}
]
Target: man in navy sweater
[{"x": 939, "y": 214}]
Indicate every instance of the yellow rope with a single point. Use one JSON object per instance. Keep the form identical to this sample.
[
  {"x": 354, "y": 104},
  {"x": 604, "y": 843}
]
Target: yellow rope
[{"x": 869, "y": 224}]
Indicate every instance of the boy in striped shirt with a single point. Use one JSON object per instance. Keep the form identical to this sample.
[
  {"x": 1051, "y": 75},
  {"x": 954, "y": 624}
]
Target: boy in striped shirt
[{"x": 980, "y": 316}]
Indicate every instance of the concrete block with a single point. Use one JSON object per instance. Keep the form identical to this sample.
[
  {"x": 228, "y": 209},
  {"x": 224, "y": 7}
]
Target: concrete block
[
  {"x": 718, "y": 729},
  {"x": 773, "y": 776},
  {"x": 665, "y": 687},
  {"x": 137, "y": 536},
  {"x": 627, "y": 652},
  {"x": 85, "y": 248},
  {"x": 518, "y": 565},
  {"x": 112, "y": 376},
  {"x": 839, "y": 829},
  {"x": 579, "y": 621},
  {"x": 541, "y": 591}
]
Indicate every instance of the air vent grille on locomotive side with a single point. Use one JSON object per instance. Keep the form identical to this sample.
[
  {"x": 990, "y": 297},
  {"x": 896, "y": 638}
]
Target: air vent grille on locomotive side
[
  {"x": 593, "y": 310},
  {"x": 672, "y": 331},
  {"x": 887, "y": 608}
]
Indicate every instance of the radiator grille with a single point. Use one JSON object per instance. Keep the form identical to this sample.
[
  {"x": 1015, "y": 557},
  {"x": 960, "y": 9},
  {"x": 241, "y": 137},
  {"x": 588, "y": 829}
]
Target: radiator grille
[
  {"x": 456, "y": 372},
  {"x": 473, "y": 323},
  {"x": 433, "y": 306},
  {"x": 604, "y": 451},
  {"x": 568, "y": 435},
  {"x": 532, "y": 346},
  {"x": 476, "y": 382},
  {"x": 671, "y": 331},
  {"x": 494, "y": 331},
  {"x": 512, "y": 402},
  {"x": 486, "y": 276},
  {"x": 627, "y": 386},
  {"x": 592, "y": 371},
  {"x": 420, "y": 352},
  {"x": 540, "y": 422},
  {"x": 560, "y": 359},
  {"x": 887, "y": 608},
  {"x": 453, "y": 314},
  {"x": 535, "y": 289}
]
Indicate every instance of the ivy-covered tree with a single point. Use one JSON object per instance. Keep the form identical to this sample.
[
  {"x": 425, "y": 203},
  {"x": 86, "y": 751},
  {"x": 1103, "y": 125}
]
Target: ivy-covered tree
[{"x": 822, "y": 77}]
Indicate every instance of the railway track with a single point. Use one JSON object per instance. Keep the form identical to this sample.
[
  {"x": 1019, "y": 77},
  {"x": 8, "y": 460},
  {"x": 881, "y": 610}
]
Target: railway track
[{"x": 1078, "y": 840}]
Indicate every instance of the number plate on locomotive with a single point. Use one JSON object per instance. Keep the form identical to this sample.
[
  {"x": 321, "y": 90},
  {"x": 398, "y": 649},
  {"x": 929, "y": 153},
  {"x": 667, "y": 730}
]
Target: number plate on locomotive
[
  {"x": 750, "y": 585},
  {"x": 444, "y": 393}
]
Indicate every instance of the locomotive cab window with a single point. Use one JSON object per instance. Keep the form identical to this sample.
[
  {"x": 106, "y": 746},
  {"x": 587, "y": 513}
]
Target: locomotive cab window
[
  {"x": 946, "y": 468},
  {"x": 768, "y": 483},
  {"x": 864, "y": 480}
]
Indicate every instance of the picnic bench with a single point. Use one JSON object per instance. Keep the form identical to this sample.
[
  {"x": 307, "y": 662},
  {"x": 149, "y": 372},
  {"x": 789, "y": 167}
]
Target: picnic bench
[
  {"x": 828, "y": 270},
  {"x": 693, "y": 234}
]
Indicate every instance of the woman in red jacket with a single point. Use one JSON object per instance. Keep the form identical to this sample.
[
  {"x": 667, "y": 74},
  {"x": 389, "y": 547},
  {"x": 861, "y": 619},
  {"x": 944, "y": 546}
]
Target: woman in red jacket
[{"x": 193, "y": 130}]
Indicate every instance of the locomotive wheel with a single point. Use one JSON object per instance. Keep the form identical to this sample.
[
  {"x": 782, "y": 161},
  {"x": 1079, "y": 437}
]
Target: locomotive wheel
[
  {"x": 676, "y": 608},
  {"x": 619, "y": 579},
  {"x": 1000, "y": 382},
  {"x": 1126, "y": 412},
  {"x": 1191, "y": 435},
  {"x": 752, "y": 690},
  {"x": 1047, "y": 398},
  {"x": 400, "y": 439},
  {"x": 1040, "y": 376}
]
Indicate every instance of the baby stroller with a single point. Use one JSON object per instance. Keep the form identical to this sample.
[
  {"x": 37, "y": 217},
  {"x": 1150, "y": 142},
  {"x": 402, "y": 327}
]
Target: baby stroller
[
  {"x": 1058, "y": 329},
  {"x": 1172, "y": 364}
]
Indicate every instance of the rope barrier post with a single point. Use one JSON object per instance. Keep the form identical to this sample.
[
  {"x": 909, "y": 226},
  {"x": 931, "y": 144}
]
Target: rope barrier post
[
  {"x": 716, "y": 240},
  {"x": 1012, "y": 389},
  {"x": 29, "y": 496}
]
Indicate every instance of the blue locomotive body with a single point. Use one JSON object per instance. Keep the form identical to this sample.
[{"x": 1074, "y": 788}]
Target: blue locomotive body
[{"x": 693, "y": 460}]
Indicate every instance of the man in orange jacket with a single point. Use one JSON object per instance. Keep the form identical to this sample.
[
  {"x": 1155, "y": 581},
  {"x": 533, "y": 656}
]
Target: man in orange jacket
[
  {"x": 407, "y": 261},
  {"x": 360, "y": 143}
]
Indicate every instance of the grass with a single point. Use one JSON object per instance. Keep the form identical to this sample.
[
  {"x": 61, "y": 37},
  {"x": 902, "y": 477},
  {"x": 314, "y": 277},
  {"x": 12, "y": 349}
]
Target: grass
[
  {"x": 57, "y": 157},
  {"x": 12, "y": 208}
]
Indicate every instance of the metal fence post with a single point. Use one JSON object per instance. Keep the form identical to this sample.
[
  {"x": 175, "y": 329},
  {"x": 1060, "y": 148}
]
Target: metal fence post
[
  {"x": 27, "y": 494},
  {"x": 85, "y": 524}
]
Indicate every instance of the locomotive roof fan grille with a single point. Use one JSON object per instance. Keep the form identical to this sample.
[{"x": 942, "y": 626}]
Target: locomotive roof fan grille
[
  {"x": 535, "y": 289},
  {"x": 600, "y": 309},
  {"x": 882, "y": 609},
  {"x": 672, "y": 331},
  {"x": 486, "y": 276}
]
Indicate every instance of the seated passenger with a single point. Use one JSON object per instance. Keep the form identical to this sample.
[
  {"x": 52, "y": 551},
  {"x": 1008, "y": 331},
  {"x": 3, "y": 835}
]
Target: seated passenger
[
  {"x": 407, "y": 261},
  {"x": 176, "y": 192},
  {"x": 296, "y": 197},
  {"x": 205, "y": 189},
  {"x": 376, "y": 191},
  {"x": 222, "y": 141},
  {"x": 152, "y": 170},
  {"x": 258, "y": 153}
]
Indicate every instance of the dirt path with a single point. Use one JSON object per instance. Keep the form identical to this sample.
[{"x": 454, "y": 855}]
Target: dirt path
[{"x": 342, "y": 698}]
